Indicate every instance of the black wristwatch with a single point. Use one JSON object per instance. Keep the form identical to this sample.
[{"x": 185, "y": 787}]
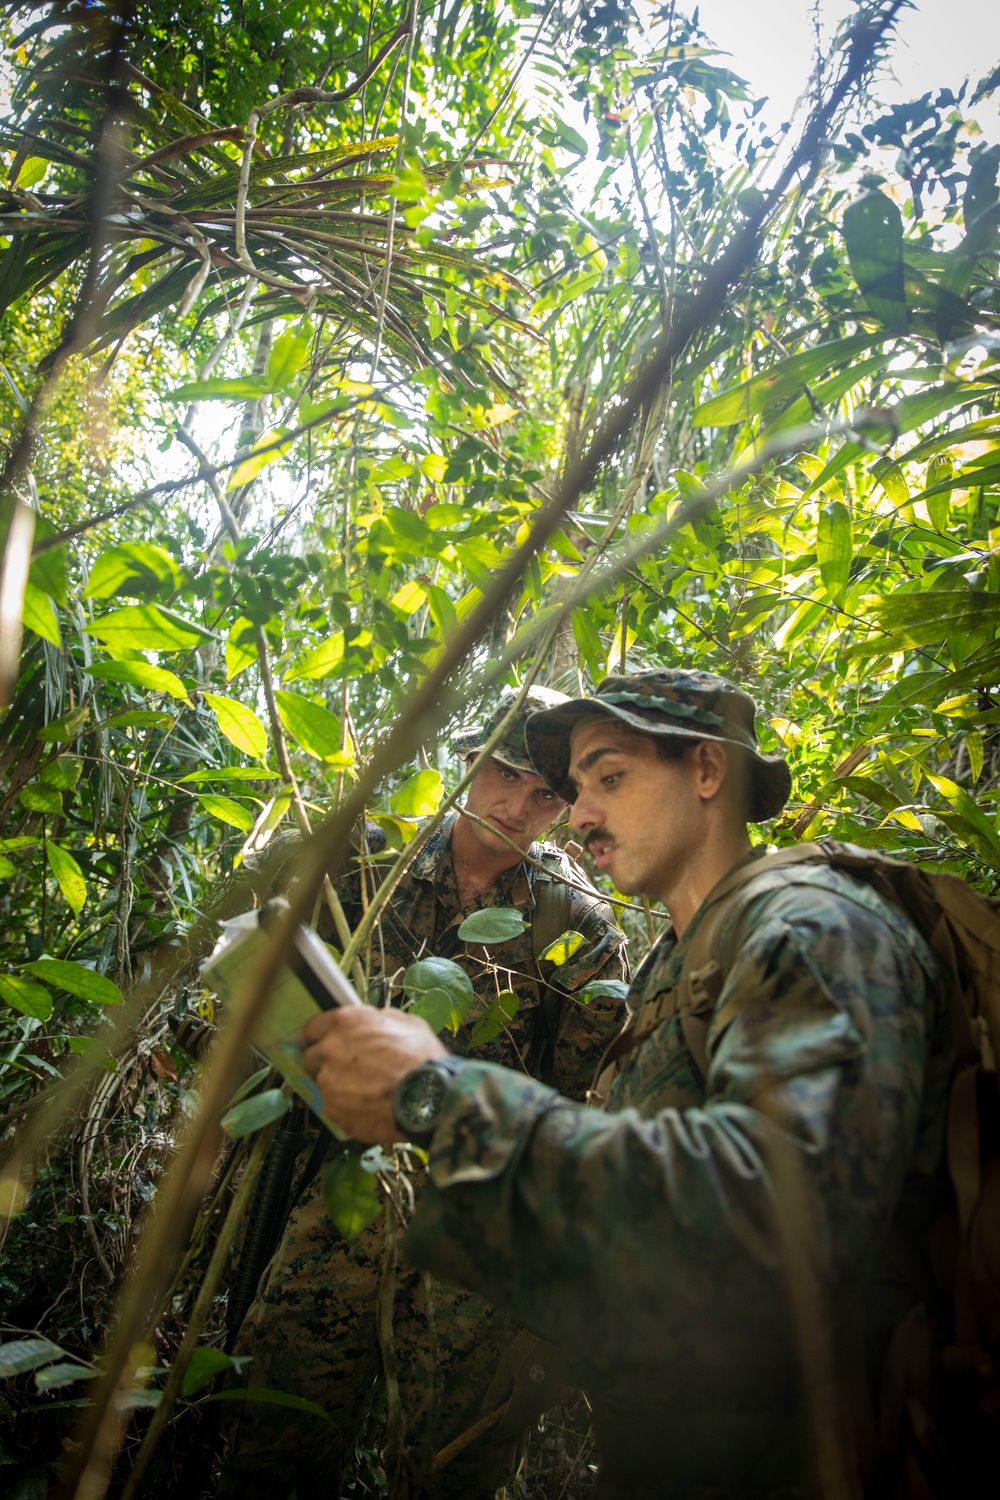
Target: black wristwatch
[{"x": 419, "y": 1098}]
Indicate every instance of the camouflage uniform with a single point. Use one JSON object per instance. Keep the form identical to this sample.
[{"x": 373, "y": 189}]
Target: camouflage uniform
[
  {"x": 312, "y": 1330},
  {"x": 650, "y": 1240}
]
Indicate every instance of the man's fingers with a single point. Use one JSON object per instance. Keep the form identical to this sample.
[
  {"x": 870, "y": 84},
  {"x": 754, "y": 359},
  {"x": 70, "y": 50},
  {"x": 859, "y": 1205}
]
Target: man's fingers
[{"x": 319, "y": 1025}]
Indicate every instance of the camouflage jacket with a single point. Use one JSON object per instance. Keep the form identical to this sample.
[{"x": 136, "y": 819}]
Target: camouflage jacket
[
  {"x": 647, "y": 1239},
  {"x": 559, "y": 1037}
]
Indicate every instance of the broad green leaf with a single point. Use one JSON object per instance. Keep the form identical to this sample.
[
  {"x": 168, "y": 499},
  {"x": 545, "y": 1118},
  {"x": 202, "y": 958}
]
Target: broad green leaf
[
  {"x": 138, "y": 718},
  {"x": 69, "y": 877},
  {"x": 76, "y": 979},
  {"x": 789, "y": 376},
  {"x": 834, "y": 548},
  {"x": 140, "y": 674},
  {"x": 597, "y": 988},
  {"x": 922, "y": 619},
  {"x": 61, "y": 731},
  {"x": 398, "y": 831},
  {"x": 440, "y": 992},
  {"x": 432, "y": 466},
  {"x": 203, "y": 1366},
  {"x": 351, "y": 1195},
  {"x": 489, "y": 1026},
  {"x": 873, "y": 233},
  {"x": 63, "y": 772},
  {"x": 975, "y": 750},
  {"x": 266, "y": 450},
  {"x": 263, "y": 1395},
  {"x": 149, "y": 565},
  {"x": 242, "y": 388},
  {"x": 239, "y": 724},
  {"x": 22, "y": 841},
  {"x": 40, "y": 799},
  {"x": 317, "y": 730},
  {"x": 146, "y": 627},
  {"x": 588, "y": 640},
  {"x": 249, "y": 1084},
  {"x": 494, "y": 924},
  {"x": 254, "y": 1113},
  {"x": 39, "y": 614},
  {"x": 7, "y": 868},
  {"x": 48, "y": 568},
  {"x": 33, "y": 169},
  {"x": 28, "y": 1354},
  {"x": 321, "y": 661},
  {"x": 289, "y": 353},
  {"x": 227, "y": 810},
  {"x": 230, "y": 773},
  {"x": 241, "y": 647},
  {"x": 55, "y": 1376},
  {"x": 419, "y": 796},
  {"x": 409, "y": 598},
  {"x": 561, "y": 951},
  {"x": 29, "y": 998}
]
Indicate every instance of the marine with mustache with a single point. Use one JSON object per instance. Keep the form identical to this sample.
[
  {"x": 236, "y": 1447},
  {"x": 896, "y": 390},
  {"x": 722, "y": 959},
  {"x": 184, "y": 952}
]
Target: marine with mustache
[
  {"x": 726, "y": 1251},
  {"x": 312, "y": 1332}
]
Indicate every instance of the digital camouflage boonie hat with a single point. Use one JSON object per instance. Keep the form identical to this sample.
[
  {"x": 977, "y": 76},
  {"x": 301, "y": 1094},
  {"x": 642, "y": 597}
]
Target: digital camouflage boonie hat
[
  {"x": 669, "y": 701},
  {"x": 511, "y": 750}
]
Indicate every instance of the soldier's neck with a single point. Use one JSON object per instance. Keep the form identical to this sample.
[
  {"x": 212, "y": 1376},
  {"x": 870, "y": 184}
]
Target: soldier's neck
[{"x": 696, "y": 876}]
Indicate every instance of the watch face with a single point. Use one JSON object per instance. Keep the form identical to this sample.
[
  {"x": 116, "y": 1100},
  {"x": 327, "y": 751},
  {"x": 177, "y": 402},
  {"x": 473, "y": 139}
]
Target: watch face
[{"x": 421, "y": 1098}]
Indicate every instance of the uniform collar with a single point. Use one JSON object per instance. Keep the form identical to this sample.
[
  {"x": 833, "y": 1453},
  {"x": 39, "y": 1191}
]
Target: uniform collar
[{"x": 434, "y": 862}]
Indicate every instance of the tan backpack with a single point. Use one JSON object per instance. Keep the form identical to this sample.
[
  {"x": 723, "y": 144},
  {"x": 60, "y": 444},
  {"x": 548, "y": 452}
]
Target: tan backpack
[{"x": 958, "y": 1387}]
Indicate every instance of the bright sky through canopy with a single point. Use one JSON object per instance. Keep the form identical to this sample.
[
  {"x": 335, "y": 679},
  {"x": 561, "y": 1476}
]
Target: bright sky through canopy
[{"x": 938, "y": 44}]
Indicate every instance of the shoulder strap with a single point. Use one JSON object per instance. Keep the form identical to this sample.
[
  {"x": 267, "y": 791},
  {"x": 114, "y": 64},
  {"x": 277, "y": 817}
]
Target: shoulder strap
[{"x": 549, "y": 921}]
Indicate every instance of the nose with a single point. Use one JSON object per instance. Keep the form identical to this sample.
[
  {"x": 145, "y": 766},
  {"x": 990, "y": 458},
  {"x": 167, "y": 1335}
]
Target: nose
[{"x": 584, "y": 813}]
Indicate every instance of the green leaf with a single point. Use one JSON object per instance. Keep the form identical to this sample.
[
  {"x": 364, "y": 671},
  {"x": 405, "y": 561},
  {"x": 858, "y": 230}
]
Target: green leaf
[
  {"x": 316, "y": 728},
  {"x": 63, "y": 772},
  {"x": 253, "y": 1114},
  {"x": 48, "y": 568},
  {"x": 494, "y": 924},
  {"x": 249, "y": 1084},
  {"x": 419, "y": 796},
  {"x": 589, "y": 644},
  {"x": 239, "y": 724},
  {"x": 489, "y": 1026},
  {"x": 69, "y": 877},
  {"x": 7, "y": 868},
  {"x": 141, "y": 675},
  {"x": 230, "y": 773},
  {"x": 351, "y": 1195},
  {"x": 39, "y": 614},
  {"x": 203, "y": 1366},
  {"x": 597, "y": 988},
  {"x": 33, "y": 169},
  {"x": 30, "y": 999},
  {"x": 63, "y": 1374},
  {"x": 138, "y": 718},
  {"x": 227, "y": 810},
  {"x": 834, "y": 548},
  {"x": 146, "y": 627},
  {"x": 322, "y": 660},
  {"x": 266, "y": 450},
  {"x": 265, "y": 1396},
  {"x": 76, "y": 979},
  {"x": 28, "y": 1354},
  {"x": 150, "y": 566},
  {"x": 561, "y": 951},
  {"x": 61, "y": 731},
  {"x": 787, "y": 378},
  {"x": 398, "y": 831},
  {"x": 288, "y": 354},
  {"x": 873, "y": 233},
  {"x": 242, "y": 388},
  {"x": 976, "y": 752},
  {"x": 40, "y": 799},
  {"x": 241, "y": 647},
  {"x": 440, "y": 991}
]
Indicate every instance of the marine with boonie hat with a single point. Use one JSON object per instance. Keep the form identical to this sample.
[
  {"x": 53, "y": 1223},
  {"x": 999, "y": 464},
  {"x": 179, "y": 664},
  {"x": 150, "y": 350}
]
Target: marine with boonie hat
[
  {"x": 680, "y": 702},
  {"x": 311, "y": 1332}
]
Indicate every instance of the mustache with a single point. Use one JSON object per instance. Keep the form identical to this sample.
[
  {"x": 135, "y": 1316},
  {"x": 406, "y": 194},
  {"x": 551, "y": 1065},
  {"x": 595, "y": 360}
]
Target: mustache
[{"x": 598, "y": 836}]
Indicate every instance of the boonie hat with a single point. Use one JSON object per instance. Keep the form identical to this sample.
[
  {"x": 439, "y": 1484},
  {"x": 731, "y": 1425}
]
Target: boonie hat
[
  {"x": 666, "y": 701},
  {"x": 511, "y": 750}
]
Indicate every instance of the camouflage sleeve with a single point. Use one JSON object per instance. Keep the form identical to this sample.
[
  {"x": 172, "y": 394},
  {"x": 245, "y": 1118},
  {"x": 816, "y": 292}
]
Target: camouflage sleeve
[
  {"x": 643, "y": 1236},
  {"x": 585, "y": 1028}
]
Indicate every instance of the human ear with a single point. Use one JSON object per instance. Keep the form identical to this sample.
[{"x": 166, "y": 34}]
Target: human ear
[{"x": 712, "y": 764}]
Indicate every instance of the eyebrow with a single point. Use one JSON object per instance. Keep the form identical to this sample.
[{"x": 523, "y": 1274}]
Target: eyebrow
[{"x": 593, "y": 756}]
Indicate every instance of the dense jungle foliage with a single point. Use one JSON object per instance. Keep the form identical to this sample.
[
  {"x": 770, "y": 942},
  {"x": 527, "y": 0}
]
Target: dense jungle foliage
[{"x": 356, "y": 360}]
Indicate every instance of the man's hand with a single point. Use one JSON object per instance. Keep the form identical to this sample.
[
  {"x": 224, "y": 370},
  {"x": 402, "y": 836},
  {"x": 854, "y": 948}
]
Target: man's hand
[{"x": 357, "y": 1055}]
